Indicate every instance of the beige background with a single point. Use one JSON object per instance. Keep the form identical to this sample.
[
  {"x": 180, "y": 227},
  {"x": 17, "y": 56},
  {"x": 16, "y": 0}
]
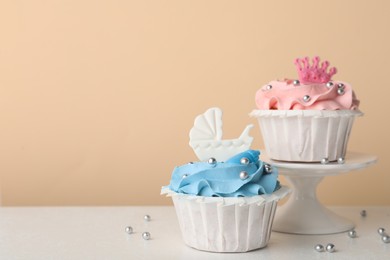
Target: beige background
[{"x": 97, "y": 97}]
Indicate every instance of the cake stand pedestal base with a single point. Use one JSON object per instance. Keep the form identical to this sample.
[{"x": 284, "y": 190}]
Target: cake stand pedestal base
[{"x": 303, "y": 213}]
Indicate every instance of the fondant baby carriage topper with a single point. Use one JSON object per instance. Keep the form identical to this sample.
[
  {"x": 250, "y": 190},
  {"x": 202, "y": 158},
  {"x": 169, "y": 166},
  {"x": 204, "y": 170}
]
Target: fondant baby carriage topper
[{"x": 206, "y": 137}]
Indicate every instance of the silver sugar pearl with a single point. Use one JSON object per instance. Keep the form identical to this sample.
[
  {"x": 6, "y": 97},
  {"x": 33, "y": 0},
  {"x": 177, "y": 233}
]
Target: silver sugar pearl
[
  {"x": 363, "y": 213},
  {"x": 146, "y": 235},
  {"x": 381, "y": 231},
  {"x": 352, "y": 233},
  {"x": 330, "y": 248},
  {"x": 296, "y": 82},
  {"x": 306, "y": 98},
  {"x": 244, "y": 160},
  {"x": 268, "y": 87},
  {"x": 184, "y": 176},
  {"x": 325, "y": 160},
  {"x": 329, "y": 84},
  {"x": 386, "y": 239},
  {"x": 267, "y": 168},
  {"x": 147, "y": 218},
  {"x": 129, "y": 230},
  {"x": 341, "y": 160},
  {"x": 340, "y": 85},
  {"x": 244, "y": 175},
  {"x": 340, "y": 91},
  {"x": 191, "y": 163},
  {"x": 212, "y": 161},
  {"x": 319, "y": 248}
]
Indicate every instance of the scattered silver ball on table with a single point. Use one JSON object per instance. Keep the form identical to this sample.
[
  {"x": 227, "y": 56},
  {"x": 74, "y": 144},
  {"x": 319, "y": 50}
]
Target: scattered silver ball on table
[
  {"x": 386, "y": 239},
  {"x": 268, "y": 87},
  {"x": 146, "y": 235},
  {"x": 352, "y": 233},
  {"x": 306, "y": 98},
  {"x": 325, "y": 160},
  {"x": 244, "y": 160},
  {"x": 330, "y": 248},
  {"x": 129, "y": 230},
  {"x": 363, "y": 213},
  {"x": 341, "y": 160},
  {"x": 381, "y": 231},
  {"x": 296, "y": 82},
  {"x": 244, "y": 175},
  {"x": 319, "y": 248},
  {"x": 267, "y": 168},
  {"x": 212, "y": 161},
  {"x": 147, "y": 218},
  {"x": 340, "y": 91},
  {"x": 191, "y": 163},
  {"x": 329, "y": 84}
]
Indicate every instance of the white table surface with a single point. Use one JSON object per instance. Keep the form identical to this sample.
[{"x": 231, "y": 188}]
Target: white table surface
[{"x": 99, "y": 233}]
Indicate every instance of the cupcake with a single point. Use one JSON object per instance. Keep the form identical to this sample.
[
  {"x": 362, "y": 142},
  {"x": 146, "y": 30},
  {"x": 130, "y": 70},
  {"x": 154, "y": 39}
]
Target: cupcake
[
  {"x": 225, "y": 204},
  {"x": 307, "y": 120}
]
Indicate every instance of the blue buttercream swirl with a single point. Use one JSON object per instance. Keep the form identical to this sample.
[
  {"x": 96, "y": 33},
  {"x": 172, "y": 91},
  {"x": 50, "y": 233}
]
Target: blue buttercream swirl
[{"x": 222, "y": 179}]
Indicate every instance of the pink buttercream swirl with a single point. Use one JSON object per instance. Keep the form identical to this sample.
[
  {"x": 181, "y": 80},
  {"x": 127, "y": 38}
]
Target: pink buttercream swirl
[{"x": 314, "y": 90}]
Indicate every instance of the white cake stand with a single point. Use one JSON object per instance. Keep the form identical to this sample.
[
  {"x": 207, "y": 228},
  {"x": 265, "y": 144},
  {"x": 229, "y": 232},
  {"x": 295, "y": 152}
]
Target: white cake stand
[{"x": 303, "y": 213}]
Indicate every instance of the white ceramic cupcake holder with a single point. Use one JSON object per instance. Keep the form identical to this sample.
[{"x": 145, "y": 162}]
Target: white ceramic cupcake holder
[
  {"x": 226, "y": 224},
  {"x": 306, "y": 135}
]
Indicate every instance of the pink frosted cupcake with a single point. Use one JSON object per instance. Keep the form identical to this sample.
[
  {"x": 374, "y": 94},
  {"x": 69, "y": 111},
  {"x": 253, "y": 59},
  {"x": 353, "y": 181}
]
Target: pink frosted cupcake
[{"x": 307, "y": 120}]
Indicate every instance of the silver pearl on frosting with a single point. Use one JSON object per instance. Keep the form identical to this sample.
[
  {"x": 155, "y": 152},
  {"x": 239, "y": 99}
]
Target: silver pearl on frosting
[
  {"x": 147, "y": 218},
  {"x": 352, "y": 233},
  {"x": 340, "y": 85},
  {"x": 267, "y": 168},
  {"x": 268, "y": 87},
  {"x": 319, "y": 248},
  {"x": 363, "y": 213},
  {"x": 212, "y": 161},
  {"x": 341, "y": 160},
  {"x": 244, "y": 175},
  {"x": 129, "y": 230},
  {"x": 244, "y": 160},
  {"x": 386, "y": 239},
  {"x": 325, "y": 160},
  {"x": 329, "y": 84},
  {"x": 340, "y": 91},
  {"x": 330, "y": 248},
  {"x": 381, "y": 231},
  {"x": 306, "y": 98},
  {"x": 146, "y": 235},
  {"x": 191, "y": 163},
  {"x": 184, "y": 176},
  {"x": 296, "y": 82}
]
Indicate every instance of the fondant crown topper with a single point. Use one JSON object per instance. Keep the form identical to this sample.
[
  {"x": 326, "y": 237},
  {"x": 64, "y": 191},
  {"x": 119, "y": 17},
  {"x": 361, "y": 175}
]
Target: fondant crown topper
[{"x": 313, "y": 73}]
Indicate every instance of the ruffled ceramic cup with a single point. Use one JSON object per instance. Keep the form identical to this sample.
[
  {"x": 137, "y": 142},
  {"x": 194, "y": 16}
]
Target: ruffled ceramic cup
[
  {"x": 226, "y": 206},
  {"x": 307, "y": 120}
]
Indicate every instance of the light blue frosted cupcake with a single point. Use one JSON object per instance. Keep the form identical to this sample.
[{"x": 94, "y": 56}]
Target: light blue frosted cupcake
[{"x": 226, "y": 206}]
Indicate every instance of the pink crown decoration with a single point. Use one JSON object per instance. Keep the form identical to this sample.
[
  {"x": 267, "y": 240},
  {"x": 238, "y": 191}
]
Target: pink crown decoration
[{"x": 313, "y": 73}]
